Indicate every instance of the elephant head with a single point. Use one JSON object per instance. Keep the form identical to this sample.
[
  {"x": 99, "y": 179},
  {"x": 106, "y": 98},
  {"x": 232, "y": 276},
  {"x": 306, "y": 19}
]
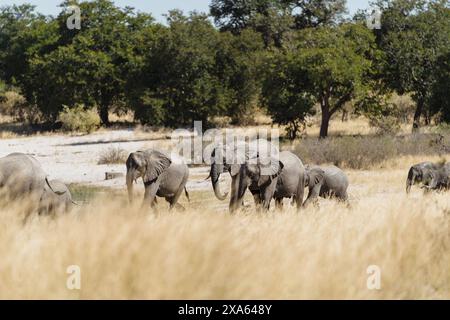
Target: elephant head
[
  {"x": 147, "y": 164},
  {"x": 414, "y": 176},
  {"x": 262, "y": 172},
  {"x": 313, "y": 176},
  {"x": 226, "y": 158}
]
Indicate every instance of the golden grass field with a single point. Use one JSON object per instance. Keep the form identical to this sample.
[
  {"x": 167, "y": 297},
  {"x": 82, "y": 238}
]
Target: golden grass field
[{"x": 204, "y": 253}]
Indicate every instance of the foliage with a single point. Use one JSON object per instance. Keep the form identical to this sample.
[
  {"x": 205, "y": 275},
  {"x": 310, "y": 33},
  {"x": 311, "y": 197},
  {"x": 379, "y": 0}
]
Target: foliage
[
  {"x": 327, "y": 65},
  {"x": 285, "y": 93},
  {"x": 414, "y": 35},
  {"x": 79, "y": 119},
  {"x": 179, "y": 80}
]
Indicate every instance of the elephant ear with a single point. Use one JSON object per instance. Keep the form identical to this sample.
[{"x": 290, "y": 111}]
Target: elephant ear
[
  {"x": 156, "y": 163},
  {"x": 57, "y": 188},
  {"x": 269, "y": 172},
  {"x": 271, "y": 167}
]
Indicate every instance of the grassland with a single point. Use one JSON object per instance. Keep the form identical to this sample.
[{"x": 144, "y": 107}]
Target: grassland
[{"x": 204, "y": 253}]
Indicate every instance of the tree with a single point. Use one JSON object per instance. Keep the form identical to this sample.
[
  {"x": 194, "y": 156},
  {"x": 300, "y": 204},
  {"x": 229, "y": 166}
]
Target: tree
[
  {"x": 23, "y": 33},
  {"x": 238, "y": 63},
  {"x": 274, "y": 18},
  {"x": 331, "y": 64},
  {"x": 285, "y": 94},
  {"x": 270, "y": 18},
  {"x": 87, "y": 66},
  {"x": 179, "y": 81},
  {"x": 315, "y": 13},
  {"x": 414, "y": 35},
  {"x": 439, "y": 101}
]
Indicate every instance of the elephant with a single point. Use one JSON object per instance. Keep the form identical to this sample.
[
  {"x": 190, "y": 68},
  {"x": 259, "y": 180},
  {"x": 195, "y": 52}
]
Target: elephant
[
  {"x": 22, "y": 176},
  {"x": 325, "y": 182},
  {"x": 56, "y": 198},
  {"x": 232, "y": 158},
  {"x": 418, "y": 173},
  {"x": 282, "y": 178},
  {"x": 437, "y": 179},
  {"x": 162, "y": 176}
]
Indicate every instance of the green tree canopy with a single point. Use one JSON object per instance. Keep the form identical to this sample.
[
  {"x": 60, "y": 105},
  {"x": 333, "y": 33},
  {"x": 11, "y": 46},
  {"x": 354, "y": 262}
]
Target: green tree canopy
[
  {"x": 331, "y": 65},
  {"x": 414, "y": 36}
]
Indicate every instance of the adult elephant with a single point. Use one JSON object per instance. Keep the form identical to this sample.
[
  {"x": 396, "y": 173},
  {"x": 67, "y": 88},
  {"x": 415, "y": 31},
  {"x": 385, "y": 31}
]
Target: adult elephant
[
  {"x": 22, "y": 176},
  {"x": 419, "y": 173},
  {"x": 162, "y": 176},
  {"x": 243, "y": 161},
  {"x": 56, "y": 198},
  {"x": 326, "y": 182},
  {"x": 276, "y": 178}
]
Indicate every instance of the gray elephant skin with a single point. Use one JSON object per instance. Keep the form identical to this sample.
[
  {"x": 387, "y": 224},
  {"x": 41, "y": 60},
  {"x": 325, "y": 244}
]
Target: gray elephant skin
[
  {"x": 420, "y": 173},
  {"x": 235, "y": 159},
  {"x": 437, "y": 179},
  {"x": 162, "y": 177},
  {"x": 325, "y": 182},
  {"x": 56, "y": 198},
  {"x": 22, "y": 176},
  {"x": 281, "y": 179}
]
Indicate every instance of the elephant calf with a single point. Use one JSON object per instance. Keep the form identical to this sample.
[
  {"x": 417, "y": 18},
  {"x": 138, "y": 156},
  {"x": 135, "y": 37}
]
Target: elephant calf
[
  {"x": 326, "y": 182},
  {"x": 162, "y": 177},
  {"x": 56, "y": 198},
  {"x": 430, "y": 175},
  {"x": 437, "y": 179}
]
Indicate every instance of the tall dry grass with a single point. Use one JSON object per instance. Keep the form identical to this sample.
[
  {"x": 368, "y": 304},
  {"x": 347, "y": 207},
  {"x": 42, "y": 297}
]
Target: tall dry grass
[{"x": 322, "y": 253}]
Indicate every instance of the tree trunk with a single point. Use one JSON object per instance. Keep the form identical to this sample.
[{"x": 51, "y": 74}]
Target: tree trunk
[
  {"x": 104, "y": 114},
  {"x": 417, "y": 115},
  {"x": 325, "y": 120}
]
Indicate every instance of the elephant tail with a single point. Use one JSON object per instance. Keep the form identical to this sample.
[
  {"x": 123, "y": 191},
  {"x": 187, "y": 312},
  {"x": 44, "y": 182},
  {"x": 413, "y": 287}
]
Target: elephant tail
[{"x": 187, "y": 194}]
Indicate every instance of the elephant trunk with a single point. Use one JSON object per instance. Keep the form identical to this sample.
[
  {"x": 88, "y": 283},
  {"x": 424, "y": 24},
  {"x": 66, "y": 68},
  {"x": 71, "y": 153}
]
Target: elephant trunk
[
  {"x": 130, "y": 180},
  {"x": 215, "y": 174},
  {"x": 411, "y": 179}
]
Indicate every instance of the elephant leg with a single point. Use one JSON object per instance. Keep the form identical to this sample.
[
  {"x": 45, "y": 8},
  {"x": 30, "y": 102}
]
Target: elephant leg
[
  {"x": 298, "y": 198},
  {"x": 313, "y": 195},
  {"x": 173, "y": 200},
  {"x": 267, "y": 194},
  {"x": 257, "y": 198},
  {"x": 279, "y": 204},
  {"x": 238, "y": 188},
  {"x": 150, "y": 194}
]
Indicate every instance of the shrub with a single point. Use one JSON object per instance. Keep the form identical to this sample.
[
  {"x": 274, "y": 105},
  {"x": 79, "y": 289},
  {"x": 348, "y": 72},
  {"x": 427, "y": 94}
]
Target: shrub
[
  {"x": 365, "y": 152},
  {"x": 113, "y": 155},
  {"x": 79, "y": 119},
  {"x": 13, "y": 104}
]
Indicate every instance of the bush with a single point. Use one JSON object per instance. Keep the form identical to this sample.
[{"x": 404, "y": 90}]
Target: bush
[
  {"x": 364, "y": 152},
  {"x": 113, "y": 155},
  {"x": 13, "y": 104},
  {"x": 79, "y": 119}
]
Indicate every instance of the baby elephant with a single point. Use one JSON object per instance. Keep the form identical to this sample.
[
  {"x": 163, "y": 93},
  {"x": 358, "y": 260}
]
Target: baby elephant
[
  {"x": 420, "y": 173},
  {"x": 437, "y": 179},
  {"x": 56, "y": 198},
  {"x": 326, "y": 182}
]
